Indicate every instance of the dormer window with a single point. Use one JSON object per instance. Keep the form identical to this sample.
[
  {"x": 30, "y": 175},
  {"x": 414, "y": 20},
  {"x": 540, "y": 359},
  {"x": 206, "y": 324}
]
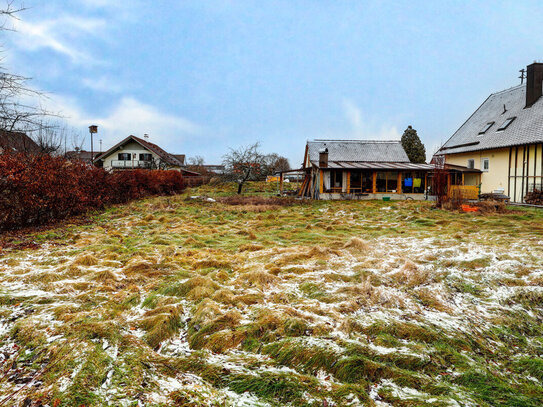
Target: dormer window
[
  {"x": 506, "y": 124},
  {"x": 487, "y": 126}
]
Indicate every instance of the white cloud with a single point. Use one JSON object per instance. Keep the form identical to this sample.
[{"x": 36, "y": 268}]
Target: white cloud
[
  {"x": 362, "y": 128},
  {"x": 129, "y": 116},
  {"x": 59, "y": 34},
  {"x": 102, "y": 84}
]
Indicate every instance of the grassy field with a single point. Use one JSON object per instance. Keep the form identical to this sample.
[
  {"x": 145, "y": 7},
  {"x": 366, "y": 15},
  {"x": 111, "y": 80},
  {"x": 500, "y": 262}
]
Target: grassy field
[{"x": 202, "y": 302}]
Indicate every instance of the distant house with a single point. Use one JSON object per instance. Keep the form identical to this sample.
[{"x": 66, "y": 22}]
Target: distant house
[
  {"x": 214, "y": 169},
  {"x": 502, "y": 141},
  {"x": 18, "y": 142},
  {"x": 136, "y": 153},
  {"x": 82, "y": 155},
  {"x": 361, "y": 169}
]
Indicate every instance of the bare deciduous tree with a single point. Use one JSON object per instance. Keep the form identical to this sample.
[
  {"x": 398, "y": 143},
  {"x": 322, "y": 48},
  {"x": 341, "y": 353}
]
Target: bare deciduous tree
[
  {"x": 275, "y": 162},
  {"x": 244, "y": 164},
  {"x": 196, "y": 161},
  {"x": 20, "y": 105}
]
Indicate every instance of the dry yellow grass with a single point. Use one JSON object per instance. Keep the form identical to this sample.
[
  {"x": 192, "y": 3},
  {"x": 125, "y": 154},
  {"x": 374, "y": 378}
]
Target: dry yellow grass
[
  {"x": 85, "y": 260},
  {"x": 357, "y": 244}
]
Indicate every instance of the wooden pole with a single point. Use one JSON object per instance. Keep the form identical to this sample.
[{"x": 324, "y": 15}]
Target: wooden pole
[
  {"x": 281, "y": 183},
  {"x": 321, "y": 181},
  {"x": 374, "y": 182},
  {"x": 348, "y": 182},
  {"x": 399, "y": 188}
]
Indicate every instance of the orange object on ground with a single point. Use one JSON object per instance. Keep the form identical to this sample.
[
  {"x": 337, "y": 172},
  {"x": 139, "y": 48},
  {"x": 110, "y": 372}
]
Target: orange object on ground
[{"x": 467, "y": 208}]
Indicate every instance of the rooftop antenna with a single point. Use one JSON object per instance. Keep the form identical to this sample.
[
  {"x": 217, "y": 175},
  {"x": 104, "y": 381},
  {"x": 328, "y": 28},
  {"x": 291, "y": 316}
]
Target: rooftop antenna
[
  {"x": 504, "y": 109},
  {"x": 522, "y": 75},
  {"x": 100, "y": 145},
  {"x": 146, "y": 136}
]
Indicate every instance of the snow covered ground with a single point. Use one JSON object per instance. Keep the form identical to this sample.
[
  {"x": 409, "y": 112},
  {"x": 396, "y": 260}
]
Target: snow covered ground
[{"x": 174, "y": 302}]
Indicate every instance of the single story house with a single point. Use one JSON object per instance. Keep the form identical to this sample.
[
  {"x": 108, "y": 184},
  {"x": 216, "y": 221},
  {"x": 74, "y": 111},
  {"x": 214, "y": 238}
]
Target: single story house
[
  {"x": 17, "y": 142},
  {"x": 503, "y": 140},
  {"x": 137, "y": 153},
  {"x": 362, "y": 169}
]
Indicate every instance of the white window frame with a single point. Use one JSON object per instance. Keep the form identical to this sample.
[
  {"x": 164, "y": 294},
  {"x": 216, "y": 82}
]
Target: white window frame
[{"x": 483, "y": 160}]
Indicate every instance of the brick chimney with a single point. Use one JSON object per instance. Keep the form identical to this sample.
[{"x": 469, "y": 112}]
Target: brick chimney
[
  {"x": 323, "y": 158},
  {"x": 534, "y": 83}
]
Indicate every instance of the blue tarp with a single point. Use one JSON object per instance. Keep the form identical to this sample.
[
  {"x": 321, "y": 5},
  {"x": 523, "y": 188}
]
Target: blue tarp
[{"x": 408, "y": 182}]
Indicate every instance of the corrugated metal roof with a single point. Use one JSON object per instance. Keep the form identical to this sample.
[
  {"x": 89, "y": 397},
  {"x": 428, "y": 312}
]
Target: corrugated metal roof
[
  {"x": 527, "y": 128},
  {"x": 377, "y": 165},
  {"x": 358, "y": 150}
]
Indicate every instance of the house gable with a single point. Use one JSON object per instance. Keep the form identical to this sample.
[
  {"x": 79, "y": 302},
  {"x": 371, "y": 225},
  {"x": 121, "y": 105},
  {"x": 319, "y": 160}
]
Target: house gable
[{"x": 135, "y": 145}]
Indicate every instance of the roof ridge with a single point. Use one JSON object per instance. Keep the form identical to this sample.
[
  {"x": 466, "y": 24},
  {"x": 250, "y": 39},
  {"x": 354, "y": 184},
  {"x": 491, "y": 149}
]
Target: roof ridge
[
  {"x": 357, "y": 141},
  {"x": 509, "y": 89}
]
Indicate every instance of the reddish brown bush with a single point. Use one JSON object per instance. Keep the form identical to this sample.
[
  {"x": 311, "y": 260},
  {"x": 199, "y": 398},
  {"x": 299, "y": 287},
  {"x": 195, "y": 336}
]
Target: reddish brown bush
[{"x": 38, "y": 189}]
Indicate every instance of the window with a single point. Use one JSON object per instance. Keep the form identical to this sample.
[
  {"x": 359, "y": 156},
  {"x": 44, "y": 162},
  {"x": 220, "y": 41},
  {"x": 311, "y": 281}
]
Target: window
[
  {"x": 333, "y": 181},
  {"x": 471, "y": 164},
  {"x": 125, "y": 156},
  {"x": 387, "y": 181},
  {"x": 506, "y": 124},
  {"x": 146, "y": 157},
  {"x": 485, "y": 164},
  {"x": 487, "y": 126},
  {"x": 413, "y": 182}
]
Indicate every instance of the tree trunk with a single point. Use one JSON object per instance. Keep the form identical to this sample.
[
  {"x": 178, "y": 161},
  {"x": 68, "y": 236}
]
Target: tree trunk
[{"x": 240, "y": 185}]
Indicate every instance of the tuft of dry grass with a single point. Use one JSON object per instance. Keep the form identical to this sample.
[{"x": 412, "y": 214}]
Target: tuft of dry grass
[
  {"x": 357, "y": 244},
  {"x": 314, "y": 253},
  {"x": 137, "y": 265},
  {"x": 105, "y": 276},
  {"x": 259, "y": 278},
  {"x": 85, "y": 260},
  {"x": 410, "y": 275},
  {"x": 224, "y": 296},
  {"x": 250, "y": 247},
  {"x": 200, "y": 292},
  {"x": 161, "y": 324}
]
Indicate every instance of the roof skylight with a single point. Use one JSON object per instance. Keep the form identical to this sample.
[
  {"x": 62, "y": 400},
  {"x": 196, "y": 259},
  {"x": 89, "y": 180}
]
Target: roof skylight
[
  {"x": 506, "y": 123},
  {"x": 487, "y": 126}
]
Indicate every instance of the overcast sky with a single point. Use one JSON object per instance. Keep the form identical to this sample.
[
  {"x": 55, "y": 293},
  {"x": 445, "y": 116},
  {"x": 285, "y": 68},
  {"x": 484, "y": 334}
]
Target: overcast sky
[{"x": 202, "y": 76}]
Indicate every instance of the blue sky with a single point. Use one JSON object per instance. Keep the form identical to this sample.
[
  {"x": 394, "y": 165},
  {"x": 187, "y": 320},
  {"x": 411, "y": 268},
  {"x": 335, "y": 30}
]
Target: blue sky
[{"x": 202, "y": 76}]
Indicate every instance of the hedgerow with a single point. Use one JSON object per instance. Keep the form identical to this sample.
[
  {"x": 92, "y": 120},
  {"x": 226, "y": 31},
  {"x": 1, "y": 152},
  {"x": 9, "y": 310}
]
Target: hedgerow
[{"x": 38, "y": 189}]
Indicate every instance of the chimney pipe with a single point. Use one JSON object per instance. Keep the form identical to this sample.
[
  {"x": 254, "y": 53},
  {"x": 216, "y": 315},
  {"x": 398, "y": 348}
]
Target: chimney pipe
[
  {"x": 323, "y": 158},
  {"x": 534, "y": 83}
]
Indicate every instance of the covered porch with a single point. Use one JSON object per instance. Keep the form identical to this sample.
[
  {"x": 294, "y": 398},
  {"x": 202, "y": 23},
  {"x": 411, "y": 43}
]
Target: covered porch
[
  {"x": 463, "y": 182},
  {"x": 362, "y": 180}
]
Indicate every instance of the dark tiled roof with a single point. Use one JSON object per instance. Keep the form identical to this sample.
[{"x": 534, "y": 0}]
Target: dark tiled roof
[
  {"x": 18, "y": 142},
  {"x": 358, "y": 151},
  {"x": 527, "y": 128},
  {"x": 165, "y": 156},
  {"x": 81, "y": 155}
]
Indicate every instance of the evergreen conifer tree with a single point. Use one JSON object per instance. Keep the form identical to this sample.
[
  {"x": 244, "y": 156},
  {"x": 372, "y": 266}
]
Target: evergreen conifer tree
[{"x": 413, "y": 146}]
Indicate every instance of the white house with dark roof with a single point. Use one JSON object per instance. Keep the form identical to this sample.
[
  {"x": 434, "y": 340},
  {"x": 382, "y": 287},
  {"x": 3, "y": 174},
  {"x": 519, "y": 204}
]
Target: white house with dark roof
[
  {"x": 503, "y": 139},
  {"x": 137, "y": 153},
  {"x": 362, "y": 169}
]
